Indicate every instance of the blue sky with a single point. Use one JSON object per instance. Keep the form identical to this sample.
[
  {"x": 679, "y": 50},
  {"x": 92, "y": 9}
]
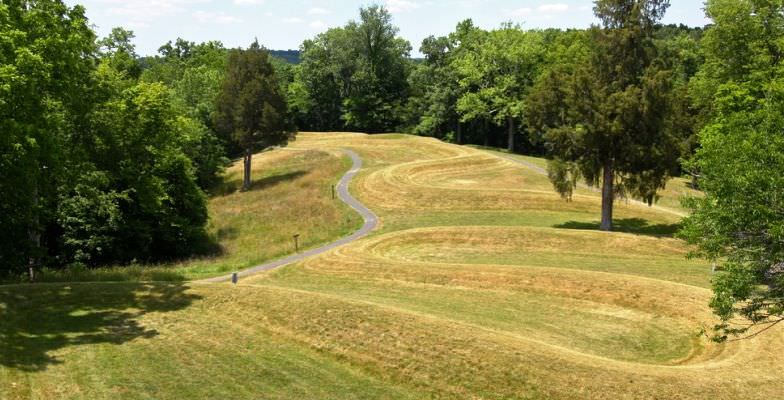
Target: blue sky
[{"x": 284, "y": 24}]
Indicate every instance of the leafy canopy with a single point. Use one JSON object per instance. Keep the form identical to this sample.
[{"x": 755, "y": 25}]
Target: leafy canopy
[{"x": 740, "y": 164}]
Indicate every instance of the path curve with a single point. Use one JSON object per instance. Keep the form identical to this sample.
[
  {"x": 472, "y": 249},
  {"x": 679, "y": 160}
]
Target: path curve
[{"x": 370, "y": 223}]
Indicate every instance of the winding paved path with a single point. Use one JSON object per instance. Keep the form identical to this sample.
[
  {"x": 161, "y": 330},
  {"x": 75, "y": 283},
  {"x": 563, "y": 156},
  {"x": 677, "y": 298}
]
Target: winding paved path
[{"x": 371, "y": 221}]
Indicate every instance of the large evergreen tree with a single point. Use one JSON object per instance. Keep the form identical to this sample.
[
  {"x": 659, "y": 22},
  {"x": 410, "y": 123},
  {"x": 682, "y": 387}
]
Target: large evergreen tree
[
  {"x": 250, "y": 108},
  {"x": 609, "y": 125}
]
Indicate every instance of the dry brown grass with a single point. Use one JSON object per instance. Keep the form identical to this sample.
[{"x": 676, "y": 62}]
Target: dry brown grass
[{"x": 629, "y": 305}]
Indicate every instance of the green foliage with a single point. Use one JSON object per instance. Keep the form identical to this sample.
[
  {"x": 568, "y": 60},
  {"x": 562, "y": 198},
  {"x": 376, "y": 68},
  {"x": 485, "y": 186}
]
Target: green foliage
[
  {"x": 354, "y": 77},
  {"x": 120, "y": 52},
  {"x": 194, "y": 73},
  {"x": 497, "y": 73},
  {"x": 251, "y": 109},
  {"x": 45, "y": 68},
  {"x": 435, "y": 85},
  {"x": 740, "y": 221},
  {"x": 96, "y": 169},
  {"x": 141, "y": 200}
]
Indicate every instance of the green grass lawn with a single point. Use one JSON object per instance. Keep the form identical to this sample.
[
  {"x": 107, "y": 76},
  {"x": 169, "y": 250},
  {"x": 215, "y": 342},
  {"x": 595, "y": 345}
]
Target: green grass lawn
[{"x": 480, "y": 282}]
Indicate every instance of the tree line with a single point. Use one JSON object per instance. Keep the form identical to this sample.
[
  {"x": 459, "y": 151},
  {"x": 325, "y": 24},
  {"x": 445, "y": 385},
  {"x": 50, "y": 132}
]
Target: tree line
[{"x": 106, "y": 156}]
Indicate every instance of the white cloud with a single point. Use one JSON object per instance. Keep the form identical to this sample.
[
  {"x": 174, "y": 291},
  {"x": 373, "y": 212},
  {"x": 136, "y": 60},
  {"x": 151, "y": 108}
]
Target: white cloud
[
  {"x": 522, "y": 12},
  {"x": 553, "y": 8},
  {"x": 318, "y": 11},
  {"x": 148, "y": 8},
  {"x": 138, "y": 25},
  {"x": 398, "y": 6},
  {"x": 293, "y": 20},
  {"x": 317, "y": 24},
  {"x": 215, "y": 18}
]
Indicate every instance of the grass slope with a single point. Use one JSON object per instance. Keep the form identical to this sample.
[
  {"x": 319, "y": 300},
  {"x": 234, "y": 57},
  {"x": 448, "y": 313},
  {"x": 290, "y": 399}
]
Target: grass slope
[{"x": 480, "y": 283}]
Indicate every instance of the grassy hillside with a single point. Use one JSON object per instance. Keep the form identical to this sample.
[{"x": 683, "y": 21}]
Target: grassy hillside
[{"x": 479, "y": 283}]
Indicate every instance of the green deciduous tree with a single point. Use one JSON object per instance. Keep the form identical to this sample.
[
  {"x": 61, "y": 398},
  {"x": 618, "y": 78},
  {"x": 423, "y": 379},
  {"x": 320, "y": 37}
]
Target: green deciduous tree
[
  {"x": 194, "y": 73},
  {"x": 608, "y": 122},
  {"x": 380, "y": 87},
  {"x": 435, "y": 84},
  {"x": 354, "y": 77},
  {"x": 46, "y": 60},
  {"x": 136, "y": 196},
  {"x": 497, "y": 74},
  {"x": 251, "y": 109},
  {"x": 119, "y": 50},
  {"x": 740, "y": 163}
]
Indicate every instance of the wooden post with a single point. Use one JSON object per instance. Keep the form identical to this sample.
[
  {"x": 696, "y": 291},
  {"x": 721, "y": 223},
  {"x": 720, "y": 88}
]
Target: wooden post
[
  {"x": 296, "y": 243},
  {"x": 234, "y": 278},
  {"x": 333, "y": 192}
]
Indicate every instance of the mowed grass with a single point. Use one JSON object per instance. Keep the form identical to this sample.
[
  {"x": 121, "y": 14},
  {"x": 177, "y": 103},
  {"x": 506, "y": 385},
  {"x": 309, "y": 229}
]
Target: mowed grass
[
  {"x": 670, "y": 197},
  {"x": 161, "y": 341},
  {"x": 479, "y": 283},
  {"x": 291, "y": 195}
]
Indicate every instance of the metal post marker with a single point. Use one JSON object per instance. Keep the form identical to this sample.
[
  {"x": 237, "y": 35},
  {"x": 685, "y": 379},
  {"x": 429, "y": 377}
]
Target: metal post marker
[{"x": 234, "y": 278}]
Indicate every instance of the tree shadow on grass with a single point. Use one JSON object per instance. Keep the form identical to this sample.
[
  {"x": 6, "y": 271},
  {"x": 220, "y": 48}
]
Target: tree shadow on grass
[
  {"x": 628, "y": 225},
  {"x": 38, "y": 320},
  {"x": 232, "y": 186},
  {"x": 261, "y": 184}
]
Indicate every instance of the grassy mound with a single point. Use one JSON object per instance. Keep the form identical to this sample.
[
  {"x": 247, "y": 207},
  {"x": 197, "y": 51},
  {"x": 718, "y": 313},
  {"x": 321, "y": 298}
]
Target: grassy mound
[{"x": 480, "y": 283}]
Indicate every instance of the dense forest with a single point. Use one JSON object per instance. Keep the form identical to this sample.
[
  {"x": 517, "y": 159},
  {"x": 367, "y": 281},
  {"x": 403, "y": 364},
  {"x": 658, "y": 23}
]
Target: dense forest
[{"x": 106, "y": 156}]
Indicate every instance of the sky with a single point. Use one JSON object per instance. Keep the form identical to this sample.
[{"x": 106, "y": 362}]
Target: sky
[{"x": 285, "y": 24}]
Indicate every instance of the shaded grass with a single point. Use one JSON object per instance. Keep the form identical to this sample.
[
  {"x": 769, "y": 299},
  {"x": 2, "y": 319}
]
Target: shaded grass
[
  {"x": 626, "y": 225},
  {"x": 106, "y": 341},
  {"x": 40, "y": 320}
]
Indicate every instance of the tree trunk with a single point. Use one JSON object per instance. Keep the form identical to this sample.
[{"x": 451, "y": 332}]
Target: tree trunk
[
  {"x": 487, "y": 133},
  {"x": 608, "y": 196},
  {"x": 34, "y": 235},
  {"x": 246, "y": 174},
  {"x": 511, "y": 127},
  {"x": 459, "y": 138}
]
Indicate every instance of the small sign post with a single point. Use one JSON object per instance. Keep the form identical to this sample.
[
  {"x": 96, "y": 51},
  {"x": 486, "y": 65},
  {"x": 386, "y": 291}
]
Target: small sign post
[
  {"x": 296, "y": 243},
  {"x": 234, "y": 278}
]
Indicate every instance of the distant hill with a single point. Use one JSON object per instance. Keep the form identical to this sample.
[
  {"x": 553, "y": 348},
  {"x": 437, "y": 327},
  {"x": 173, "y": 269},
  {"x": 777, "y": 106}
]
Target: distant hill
[{"x": 290, "y": 56}]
